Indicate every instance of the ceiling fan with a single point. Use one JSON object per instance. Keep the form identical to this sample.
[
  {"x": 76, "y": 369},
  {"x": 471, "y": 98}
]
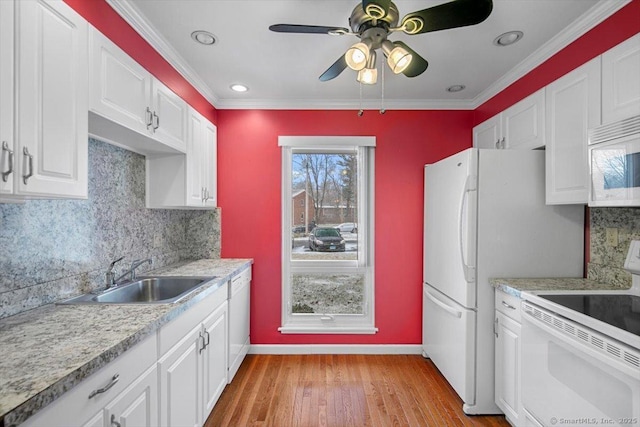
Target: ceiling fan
[{"x": 372, "y": 21}]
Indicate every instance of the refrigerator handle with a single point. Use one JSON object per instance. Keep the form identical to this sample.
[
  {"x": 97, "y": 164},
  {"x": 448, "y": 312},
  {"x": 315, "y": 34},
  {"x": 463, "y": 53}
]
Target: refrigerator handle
[
  {"x": 469, "y": 270},
  {"x": 451, "y": 310}
]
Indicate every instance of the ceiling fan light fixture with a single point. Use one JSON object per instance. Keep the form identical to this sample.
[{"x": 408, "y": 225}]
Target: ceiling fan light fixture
[
  {"x": 358, "y": 55},
  {"x": 398, "y": 57},
  {"x": 368, "y": 76}
]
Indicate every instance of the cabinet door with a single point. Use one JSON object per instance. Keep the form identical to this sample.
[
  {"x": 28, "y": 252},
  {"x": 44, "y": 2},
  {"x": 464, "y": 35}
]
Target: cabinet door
[
  {"x": 195, "y": 186},
  {"x": 523, "y": 123},
  {"x": 488, "y": 134},
  {"x": 507, "y": 362},
  {"x": 210, "y": 163},
  {"x": 138, "y": 404},
  {"x": 180, "y": 373},
  {"x": 572, "y": 107},
  {"x": 239, "y": 320},
  {"x": 169, "y": 116},
  {"x": 621, "y": 81},
  {"x": 52, "y": 121},
  {"x": 214, "y": 360},
  {"x": 7, "y": 149},
  {"x": 120, "y": 88}
]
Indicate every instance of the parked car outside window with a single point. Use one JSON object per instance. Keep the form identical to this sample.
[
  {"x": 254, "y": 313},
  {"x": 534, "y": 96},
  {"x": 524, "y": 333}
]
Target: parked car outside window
[
  {"x": 347, "y": 227},
  {"x": 326, "y": 239}
]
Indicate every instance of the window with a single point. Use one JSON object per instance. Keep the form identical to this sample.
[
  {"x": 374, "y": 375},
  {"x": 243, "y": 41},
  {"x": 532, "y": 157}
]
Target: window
[{"x": 327, "y": 234}]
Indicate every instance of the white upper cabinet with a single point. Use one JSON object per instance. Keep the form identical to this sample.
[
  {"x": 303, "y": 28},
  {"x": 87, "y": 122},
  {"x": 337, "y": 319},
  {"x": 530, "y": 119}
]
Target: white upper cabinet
[
  {"x": 573, "y": 107},
  {"x": 169, "y": 117},
  {"x": 523, "y": 123},
  {"x": 186, "y": 181},
  {"x": 132, "y": 108},
  {"x": 7, "y": 141},
  {"x": 621, "y": 81},
  {"x": 488, "y": 134},
  {"x": 45, "y": 154},
  {"x": 520, "y": 126}
]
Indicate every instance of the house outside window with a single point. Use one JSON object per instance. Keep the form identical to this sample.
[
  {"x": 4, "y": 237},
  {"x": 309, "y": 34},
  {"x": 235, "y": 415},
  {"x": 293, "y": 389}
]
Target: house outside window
[{"x": 327, "y": 259}]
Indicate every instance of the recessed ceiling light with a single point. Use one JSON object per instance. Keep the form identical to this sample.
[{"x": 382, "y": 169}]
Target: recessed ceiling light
[
  {"x": 456, "y": 88},
  {"x": 239, "y": 88},
  {"x": 508, "y": 38},
  {"x": 203, "y": 37}
]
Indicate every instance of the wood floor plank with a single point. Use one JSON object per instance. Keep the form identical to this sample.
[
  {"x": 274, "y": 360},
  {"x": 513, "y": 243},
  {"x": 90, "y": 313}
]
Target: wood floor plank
[{"x": 341, "y": 391}]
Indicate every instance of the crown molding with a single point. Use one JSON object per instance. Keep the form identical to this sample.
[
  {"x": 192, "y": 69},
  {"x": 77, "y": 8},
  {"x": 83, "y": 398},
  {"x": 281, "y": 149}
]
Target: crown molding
[
  {"x": 590, "y": 19},
  {"x": 147, "y": 31},
  {"x": 342, "y": 104}
]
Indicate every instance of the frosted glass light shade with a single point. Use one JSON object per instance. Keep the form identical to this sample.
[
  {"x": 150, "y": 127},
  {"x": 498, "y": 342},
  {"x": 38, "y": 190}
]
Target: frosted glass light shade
[
  {"x": 357, "y": 56},
  {"x": 368, "y": 76}
]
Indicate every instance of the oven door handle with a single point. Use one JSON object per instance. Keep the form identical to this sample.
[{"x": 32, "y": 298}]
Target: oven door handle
[{"x": 528, "y": 320}]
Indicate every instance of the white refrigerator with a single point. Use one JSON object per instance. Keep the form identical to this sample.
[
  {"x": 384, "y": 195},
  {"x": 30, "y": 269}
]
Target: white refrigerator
[{"x": 485, "y": 216}]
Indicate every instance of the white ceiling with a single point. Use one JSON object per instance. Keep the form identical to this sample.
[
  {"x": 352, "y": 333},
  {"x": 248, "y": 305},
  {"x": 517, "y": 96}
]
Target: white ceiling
[{"x": 281, "y": 70}]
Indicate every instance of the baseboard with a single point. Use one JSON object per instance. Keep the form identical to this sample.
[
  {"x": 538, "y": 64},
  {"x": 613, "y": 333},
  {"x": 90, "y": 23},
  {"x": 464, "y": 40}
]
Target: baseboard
[{"x": 335, "y": 349}]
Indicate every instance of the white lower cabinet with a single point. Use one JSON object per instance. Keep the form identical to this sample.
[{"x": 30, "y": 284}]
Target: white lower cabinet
[
  {"x": 193, "y": 368},
  {"x": 507, "y": 357},
  {"x": 126, "y": 389}
]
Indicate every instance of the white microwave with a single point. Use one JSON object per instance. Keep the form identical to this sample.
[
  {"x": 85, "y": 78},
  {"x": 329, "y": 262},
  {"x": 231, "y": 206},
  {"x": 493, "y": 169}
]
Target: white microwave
[{"x": 614, "y": 163}]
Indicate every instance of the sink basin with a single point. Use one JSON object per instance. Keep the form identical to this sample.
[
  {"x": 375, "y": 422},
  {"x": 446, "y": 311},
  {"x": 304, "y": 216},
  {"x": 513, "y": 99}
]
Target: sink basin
[{"x": 147, "y": 290}]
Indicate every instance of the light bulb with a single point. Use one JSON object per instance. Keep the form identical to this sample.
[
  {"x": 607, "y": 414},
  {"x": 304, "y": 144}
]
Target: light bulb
[
  {"x": 368, "y": 76},
  {"x": 357, "y": 56}
]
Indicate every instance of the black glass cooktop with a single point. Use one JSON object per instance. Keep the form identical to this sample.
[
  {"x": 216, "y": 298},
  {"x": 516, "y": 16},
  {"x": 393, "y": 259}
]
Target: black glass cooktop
[{"x": 621, "y": 311}]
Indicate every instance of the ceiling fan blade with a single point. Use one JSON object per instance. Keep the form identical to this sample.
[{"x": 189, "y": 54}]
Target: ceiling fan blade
[
  {"x": 335, "y": 70},
  {"x": 307, "y": 29},
  {"x": 376, "y": 9},
  {"x": 418, "y": 64},
  {"x": 457, "y": 13}
]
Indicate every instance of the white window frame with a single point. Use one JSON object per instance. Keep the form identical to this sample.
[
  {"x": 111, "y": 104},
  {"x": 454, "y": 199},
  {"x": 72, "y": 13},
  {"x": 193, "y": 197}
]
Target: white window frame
[{"x": 316, "y": 323}]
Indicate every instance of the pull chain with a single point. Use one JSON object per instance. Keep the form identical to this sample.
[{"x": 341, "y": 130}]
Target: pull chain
[
  {"x": 360, "y": 111},
  {"x": 382, "y": 110}
]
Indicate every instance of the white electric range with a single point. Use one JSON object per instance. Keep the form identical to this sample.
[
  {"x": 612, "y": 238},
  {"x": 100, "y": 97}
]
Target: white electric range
[{"x": 581, "y": 355}]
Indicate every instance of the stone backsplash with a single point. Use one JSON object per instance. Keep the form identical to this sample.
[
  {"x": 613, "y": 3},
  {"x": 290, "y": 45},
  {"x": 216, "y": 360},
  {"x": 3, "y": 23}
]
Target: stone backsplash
[
  {"x": 53, "y": 249},
  {"x": 606, "y": 261}
]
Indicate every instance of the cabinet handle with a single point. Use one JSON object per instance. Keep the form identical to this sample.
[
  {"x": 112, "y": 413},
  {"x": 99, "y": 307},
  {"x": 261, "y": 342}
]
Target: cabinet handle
[
  {"x": 157, "y": 125},
  {"x": 149, "y": 118},
  {"x": 208, "y": 338},
  {"x": 113, "y": 382},
  {"x": 5, "y": 174},
  {"x": 508, "y": 305},
  {"x": 203, "y": 344},
  {"x": 25, "y": 152},
  {"x": 503, "y": 144},
  {"x": 495, "y": 327},
  {"x": 498, "y": 144},
  {"x": 114, "y": 423}
]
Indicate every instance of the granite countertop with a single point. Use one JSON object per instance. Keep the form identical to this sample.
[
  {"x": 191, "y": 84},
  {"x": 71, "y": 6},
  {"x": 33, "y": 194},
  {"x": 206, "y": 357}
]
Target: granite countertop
[
  {"x": 47, "y": 351},
  {"x": 516, "y": 286}
]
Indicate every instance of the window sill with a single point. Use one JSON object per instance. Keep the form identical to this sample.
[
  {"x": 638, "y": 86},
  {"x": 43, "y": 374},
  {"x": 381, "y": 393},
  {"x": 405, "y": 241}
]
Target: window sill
[{"x": 370, "y": 330}]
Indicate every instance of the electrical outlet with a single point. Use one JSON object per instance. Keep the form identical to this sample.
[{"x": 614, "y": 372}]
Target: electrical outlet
[
  {"x": 157, "y": 240},
  {"x": 611, "y": 237}
]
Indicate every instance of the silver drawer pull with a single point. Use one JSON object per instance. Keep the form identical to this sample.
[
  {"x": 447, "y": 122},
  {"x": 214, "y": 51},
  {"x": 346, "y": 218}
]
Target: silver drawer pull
[
  {"x": 508, "y": 305},
  {"x": 29, "y": 157},
  {"x": 113, "y": 382},
  {"x": 114, "y": 423},
  {"x": 5, "y": 174}
]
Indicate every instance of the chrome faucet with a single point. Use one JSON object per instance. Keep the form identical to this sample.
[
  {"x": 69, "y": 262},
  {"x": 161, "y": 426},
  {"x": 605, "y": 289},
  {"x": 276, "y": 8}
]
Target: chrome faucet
[{"x": 110, "y": 275}]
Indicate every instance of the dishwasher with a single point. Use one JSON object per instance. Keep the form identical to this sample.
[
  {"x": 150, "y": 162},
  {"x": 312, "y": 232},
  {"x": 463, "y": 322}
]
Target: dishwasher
[{"x": 239, "y": 341}]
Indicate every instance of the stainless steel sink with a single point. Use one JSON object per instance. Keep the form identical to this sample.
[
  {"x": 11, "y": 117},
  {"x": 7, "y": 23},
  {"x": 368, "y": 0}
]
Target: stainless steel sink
[{"x": 145, "y": 290}]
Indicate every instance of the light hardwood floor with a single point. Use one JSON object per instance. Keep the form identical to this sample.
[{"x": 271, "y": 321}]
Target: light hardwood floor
[{"x": 341, "y": 391}]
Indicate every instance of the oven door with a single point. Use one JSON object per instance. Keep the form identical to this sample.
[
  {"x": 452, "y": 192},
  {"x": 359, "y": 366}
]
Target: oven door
[
  {"x": 572, "y": 375},
  {"x": 615, "y": 172}
]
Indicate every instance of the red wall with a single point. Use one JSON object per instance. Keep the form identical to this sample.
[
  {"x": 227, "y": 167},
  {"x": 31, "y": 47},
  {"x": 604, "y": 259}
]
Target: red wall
[
  {"x": 109, "y": 23},
  {"x": 249, "y": 174},
  {"x": 615, "y": 29}
]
